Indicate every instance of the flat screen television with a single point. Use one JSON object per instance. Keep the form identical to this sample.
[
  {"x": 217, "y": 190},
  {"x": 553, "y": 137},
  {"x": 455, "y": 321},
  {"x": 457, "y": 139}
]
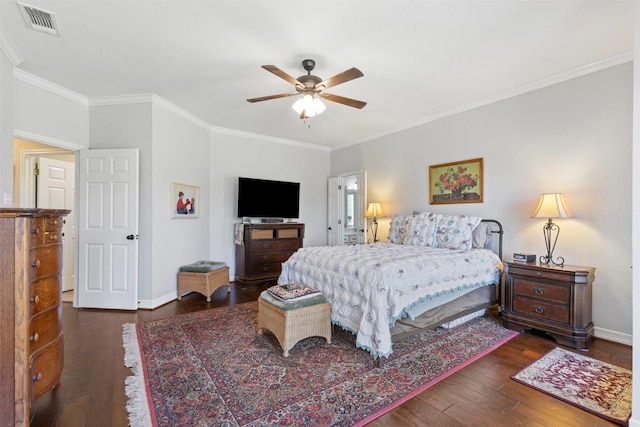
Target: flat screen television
[{"x": 262, "y": 198}]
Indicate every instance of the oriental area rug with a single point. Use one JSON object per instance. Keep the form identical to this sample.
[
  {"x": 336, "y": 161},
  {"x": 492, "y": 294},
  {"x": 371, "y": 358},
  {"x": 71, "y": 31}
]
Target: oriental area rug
[
  {"x": 598, "y": 387},
  {"x": 211, "y": 368}
]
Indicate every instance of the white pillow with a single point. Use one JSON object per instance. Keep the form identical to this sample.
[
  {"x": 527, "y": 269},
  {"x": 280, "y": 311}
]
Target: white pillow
[{"x": 481, "y": 236}]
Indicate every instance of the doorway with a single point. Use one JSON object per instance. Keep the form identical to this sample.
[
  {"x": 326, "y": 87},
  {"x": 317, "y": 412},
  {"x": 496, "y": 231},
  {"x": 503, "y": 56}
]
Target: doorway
[
  {"x": 44, "y": 177},
  {"x": 347, "y": 199}
]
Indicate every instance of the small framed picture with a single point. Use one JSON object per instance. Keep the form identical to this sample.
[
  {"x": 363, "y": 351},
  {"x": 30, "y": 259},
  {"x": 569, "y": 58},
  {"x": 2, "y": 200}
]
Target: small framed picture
[
  {"x": 184, "y": 201},
  {"x": 456, "y": 182}
]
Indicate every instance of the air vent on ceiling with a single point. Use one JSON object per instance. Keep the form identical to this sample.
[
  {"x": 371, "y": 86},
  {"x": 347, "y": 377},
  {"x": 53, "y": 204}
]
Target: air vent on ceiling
[{"x": 39, "y": 19}]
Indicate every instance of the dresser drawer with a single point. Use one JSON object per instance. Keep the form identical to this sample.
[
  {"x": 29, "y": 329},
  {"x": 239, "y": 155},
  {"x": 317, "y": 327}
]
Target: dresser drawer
[
  {"x": 543, "y": 291},
  {"x": 45, "y": 369},
  {"x": 44, "y": 294},
  {"x": 44, "y": 261},
  {"x": 44, "y": 231},
  {"x": 543, "y": 274},
  {"x": 44, "y": 328},
  {"x": 266, "y": 268},
  {"x": 540, "y": 309},
  {"x": 266, "y": 257},
  {"x": 53, "y": 223},
  {"x": 275, "y": 245}
]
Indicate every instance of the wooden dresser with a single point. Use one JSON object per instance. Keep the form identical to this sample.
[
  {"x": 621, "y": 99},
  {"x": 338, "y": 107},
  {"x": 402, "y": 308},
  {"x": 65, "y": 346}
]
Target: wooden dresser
[
  {"x": 556, "y": 300},
  {"x": 31, "y": 351},
  {"x": 262, "y": 248}
]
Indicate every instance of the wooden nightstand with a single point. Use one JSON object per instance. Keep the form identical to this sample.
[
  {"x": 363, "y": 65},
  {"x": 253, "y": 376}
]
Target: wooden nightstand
[{"x": 556, "y": 300}]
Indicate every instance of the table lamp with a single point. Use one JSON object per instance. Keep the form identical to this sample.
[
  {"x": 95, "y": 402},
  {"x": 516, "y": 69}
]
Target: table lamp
[
  {"x": 551, "y": 205},
  {"x": 374, "y": 210}
]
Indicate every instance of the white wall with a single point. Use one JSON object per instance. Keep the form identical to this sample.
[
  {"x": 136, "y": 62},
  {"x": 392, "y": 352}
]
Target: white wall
[
  {"x": 573, "y": 137},
  {"x": 6, "y": 129},
  {"x": 234, "y": 156},
  {"x": 129, "y": 126},
  {"x": 180, "y": 153},
  {"x": 44, "y": 113}
]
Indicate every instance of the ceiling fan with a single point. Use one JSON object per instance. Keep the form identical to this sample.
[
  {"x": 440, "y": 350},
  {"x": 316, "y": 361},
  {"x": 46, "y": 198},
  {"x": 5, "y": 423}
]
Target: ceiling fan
[{"x": 312, "y": 88}]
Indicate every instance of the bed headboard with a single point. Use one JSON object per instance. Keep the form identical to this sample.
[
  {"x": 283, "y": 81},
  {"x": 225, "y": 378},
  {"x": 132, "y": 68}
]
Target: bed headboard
[{"x": 495, "y": 228}]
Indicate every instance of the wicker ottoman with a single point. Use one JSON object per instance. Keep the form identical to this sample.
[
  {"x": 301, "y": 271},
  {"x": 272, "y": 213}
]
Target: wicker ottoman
[
  {"x": 203, "y": 277},
  {"x": 293, "y": 322}
]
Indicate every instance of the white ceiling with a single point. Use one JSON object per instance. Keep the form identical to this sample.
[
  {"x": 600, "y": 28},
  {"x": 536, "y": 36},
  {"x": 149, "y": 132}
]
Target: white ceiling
[{"x": 421, "y": 59}]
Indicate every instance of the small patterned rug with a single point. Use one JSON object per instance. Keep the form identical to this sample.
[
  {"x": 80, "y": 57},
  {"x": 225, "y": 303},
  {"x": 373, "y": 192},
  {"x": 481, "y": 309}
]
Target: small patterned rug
[
  {"x": 211, "y": 368},
  {"x": 587, "y": 383}
]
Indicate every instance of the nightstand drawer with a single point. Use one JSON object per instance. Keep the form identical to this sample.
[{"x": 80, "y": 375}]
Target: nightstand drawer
[
  {"x": 541, "y": 309},
  {"x": 543, "y": 291},
  {"x": 543, "y": 274}
]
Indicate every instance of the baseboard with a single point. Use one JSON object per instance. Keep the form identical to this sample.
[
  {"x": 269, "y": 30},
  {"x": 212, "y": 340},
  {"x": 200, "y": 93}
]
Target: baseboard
[
  {"x": 157, "y": 302},
  {"x": 614, "y": 336}
]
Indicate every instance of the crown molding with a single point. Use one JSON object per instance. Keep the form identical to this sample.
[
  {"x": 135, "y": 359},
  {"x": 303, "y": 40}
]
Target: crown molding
[
  {"x": 266, "y": 138},
  {"x": 140, "y": 98},
  {"x": 172, "y": 108},
  {"x": 47, "y": 140},
  {"x": 23, "y": 76},
  {"x": 9, "y": 49},
  {"x": 612, "y": 61}
]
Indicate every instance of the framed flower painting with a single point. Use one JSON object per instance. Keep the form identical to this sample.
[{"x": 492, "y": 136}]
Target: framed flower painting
[{"x": 456, "y": 182}]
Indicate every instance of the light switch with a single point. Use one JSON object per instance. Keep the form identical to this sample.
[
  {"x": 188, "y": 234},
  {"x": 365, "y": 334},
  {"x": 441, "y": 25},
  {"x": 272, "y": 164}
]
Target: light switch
[{"x": 8, "y": 199}]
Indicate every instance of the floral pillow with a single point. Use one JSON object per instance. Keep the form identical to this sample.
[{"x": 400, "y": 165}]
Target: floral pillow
[
  {"x": 454, "y": 231},
  {"x": 397, "y": 228},
  {"x": 419, "y": 230}
]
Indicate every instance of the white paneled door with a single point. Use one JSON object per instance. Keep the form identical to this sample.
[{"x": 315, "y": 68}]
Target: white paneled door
[
  {"x": 108, "y": 229},
  {"x": 335, "y": 229},
  {"x": 56, "y": 190}
]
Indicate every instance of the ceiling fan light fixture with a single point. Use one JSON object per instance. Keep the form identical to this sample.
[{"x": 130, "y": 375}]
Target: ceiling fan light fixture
[
  {"x": 311, "y": 106},
  {"x": 311, "y": 88},
  {"x": 319, "y": 105},
  {"x": 298, "y": 106}
]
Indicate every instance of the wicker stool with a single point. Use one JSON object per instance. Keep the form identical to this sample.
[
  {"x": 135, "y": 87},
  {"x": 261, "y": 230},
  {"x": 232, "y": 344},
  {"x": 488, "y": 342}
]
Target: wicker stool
[
  {"x": 203, "y": 277},
  {"x": 292, "y": 322}
]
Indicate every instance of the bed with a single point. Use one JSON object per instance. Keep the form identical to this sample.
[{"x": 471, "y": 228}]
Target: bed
[{"x": 435, "y": 269}]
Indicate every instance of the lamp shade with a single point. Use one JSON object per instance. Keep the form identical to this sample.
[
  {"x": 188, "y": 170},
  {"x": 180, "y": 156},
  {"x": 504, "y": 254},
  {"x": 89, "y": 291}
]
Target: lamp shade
[
  {"x": 374, "y": 210},
  {"x": 552, "y": 205}
]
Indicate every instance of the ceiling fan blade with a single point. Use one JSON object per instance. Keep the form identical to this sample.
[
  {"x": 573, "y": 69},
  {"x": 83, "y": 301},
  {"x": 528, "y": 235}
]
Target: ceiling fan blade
[
  {"x": 345, "y": 76},
  {"x": 278, "y": 72},
  {"x": 266, "y": 98},
  {"x": 342, "y": 100}
]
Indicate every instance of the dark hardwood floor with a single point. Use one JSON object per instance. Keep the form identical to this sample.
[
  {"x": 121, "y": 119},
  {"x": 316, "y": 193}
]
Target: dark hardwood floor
[{"x": 91, "y": 392}]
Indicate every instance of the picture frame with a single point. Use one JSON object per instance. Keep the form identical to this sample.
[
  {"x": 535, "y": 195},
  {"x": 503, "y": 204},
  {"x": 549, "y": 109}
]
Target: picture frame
[
  {"x": 456, "y": 182},
  {"x": 184, "y": 201}
]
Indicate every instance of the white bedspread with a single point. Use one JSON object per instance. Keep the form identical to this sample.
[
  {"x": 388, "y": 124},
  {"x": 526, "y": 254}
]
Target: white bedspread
[{"x": 371, "y": 286}]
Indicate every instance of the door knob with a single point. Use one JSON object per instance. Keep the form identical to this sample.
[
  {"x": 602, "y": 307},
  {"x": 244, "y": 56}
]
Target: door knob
[{"x": 131, "y": 237}]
